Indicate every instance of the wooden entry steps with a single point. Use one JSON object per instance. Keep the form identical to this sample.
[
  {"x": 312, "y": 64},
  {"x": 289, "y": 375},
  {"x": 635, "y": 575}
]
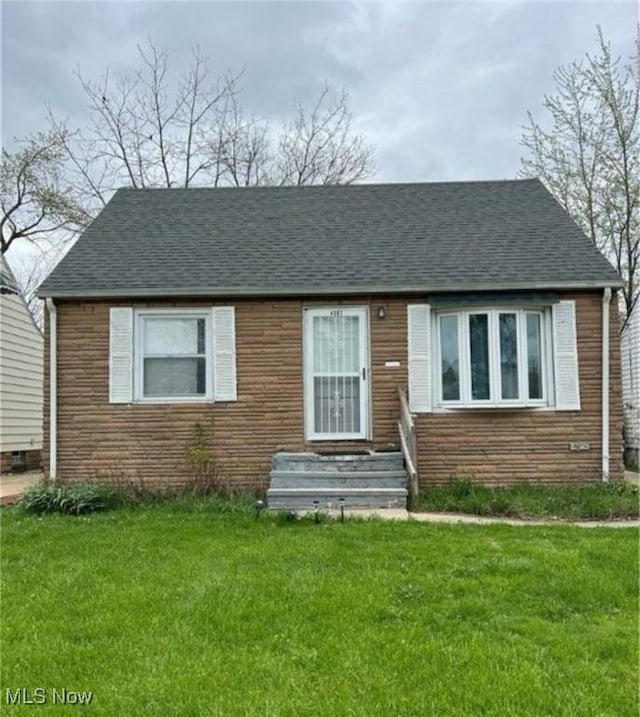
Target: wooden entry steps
[{"x": 306, "y": 481}]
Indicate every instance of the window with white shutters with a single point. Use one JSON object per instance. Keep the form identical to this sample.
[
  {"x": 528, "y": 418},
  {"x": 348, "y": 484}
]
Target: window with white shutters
[
  {"x": 493, "y": 357},
  {"x": 172, "y": 355}
]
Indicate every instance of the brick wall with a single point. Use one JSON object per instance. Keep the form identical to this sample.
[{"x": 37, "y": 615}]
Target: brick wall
[
  {"x": 33, "y": 461},
  {"x": 509, "y": 446},
  {"x": 149, "y": 442},
  {"x": 98, "y": 440}
]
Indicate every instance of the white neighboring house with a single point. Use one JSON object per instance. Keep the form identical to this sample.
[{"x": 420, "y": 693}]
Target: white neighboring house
[
  {"x": 21, "y": 379},
  {"x": 630, "y": 349}
]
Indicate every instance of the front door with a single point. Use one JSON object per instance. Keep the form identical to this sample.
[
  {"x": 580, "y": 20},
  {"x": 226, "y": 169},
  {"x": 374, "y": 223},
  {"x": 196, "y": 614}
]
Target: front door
[{"x": 336, "y": 368}]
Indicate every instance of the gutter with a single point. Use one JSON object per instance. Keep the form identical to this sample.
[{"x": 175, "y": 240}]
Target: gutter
[
  {"x": 606, "y": 300},
  {"x": 307, "y": 290},
  {"x": 53, "y": 389}
]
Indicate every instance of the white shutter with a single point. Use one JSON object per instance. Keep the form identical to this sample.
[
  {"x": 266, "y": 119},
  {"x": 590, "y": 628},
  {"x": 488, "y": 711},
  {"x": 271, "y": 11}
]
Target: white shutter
[
  {"x": 419, "y": 359},
  {"x": 565, "y": 356},
  {"x": 224, "y": 354},
  {"x": 120, "y": 354}
]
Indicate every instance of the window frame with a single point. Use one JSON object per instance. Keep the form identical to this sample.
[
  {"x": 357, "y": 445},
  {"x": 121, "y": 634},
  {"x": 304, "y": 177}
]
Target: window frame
[
  {"x": 18, "y": 459},
  {"x": 139, "y": 354},
  {"x": 495, "y": 374}
]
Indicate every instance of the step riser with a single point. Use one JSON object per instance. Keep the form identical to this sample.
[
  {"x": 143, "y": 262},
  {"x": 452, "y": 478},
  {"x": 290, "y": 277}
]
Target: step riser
[
  {"x": 306, "y": 481},
  {"x": 337, "y": 464},
  {"x": 332, "y": 502},
  {"x": 300, "y": 467},
  {"x": 315, "y": 480}
]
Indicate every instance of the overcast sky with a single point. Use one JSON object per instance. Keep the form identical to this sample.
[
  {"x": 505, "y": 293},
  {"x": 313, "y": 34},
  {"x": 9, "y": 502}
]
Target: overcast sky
[{"x": 440, "y": 89}]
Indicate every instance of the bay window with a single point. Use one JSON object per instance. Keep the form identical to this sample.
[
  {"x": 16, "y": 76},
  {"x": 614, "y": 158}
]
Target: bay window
[{"x": 492, "y": 357}]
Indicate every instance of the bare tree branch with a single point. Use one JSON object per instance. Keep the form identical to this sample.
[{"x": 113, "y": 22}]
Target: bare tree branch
[
  {"x": 35, "y": 201},
  {"x": 150, "y": 128},
  {"x": 319, "y": 147},
  {"x": 590, "y": 157},
  {"x": 29, "y": 270}
]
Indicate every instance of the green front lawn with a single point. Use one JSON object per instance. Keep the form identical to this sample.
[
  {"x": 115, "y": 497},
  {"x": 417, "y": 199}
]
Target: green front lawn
[{"x": 186, "y": 609}]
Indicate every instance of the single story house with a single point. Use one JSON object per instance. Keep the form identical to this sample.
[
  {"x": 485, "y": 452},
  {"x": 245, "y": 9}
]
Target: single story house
[
  {"x": 293, "y": 319},
  {"x": 21, "y": 379}
]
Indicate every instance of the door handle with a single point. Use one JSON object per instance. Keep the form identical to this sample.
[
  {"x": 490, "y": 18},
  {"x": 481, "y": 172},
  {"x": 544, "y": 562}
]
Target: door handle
[{"x": 364, "y": 373}]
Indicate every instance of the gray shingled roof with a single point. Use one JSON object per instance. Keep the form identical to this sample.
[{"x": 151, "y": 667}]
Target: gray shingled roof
[{"x": 335, "y": 239}]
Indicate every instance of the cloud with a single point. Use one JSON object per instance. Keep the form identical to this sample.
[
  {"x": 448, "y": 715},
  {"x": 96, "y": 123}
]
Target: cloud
[{"x": 441, "y": 89}]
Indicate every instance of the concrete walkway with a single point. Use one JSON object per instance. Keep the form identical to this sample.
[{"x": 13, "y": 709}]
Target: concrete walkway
[
  {"x": 632, "y": 476},
  {"x": 463, "y": 518},
  {"x": 12, "y": 484},
  {"x": 482, "y": 520}
]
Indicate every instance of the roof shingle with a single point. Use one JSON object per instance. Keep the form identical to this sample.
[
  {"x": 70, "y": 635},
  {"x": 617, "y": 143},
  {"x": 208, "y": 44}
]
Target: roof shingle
[{"x": 448, "y": 236}]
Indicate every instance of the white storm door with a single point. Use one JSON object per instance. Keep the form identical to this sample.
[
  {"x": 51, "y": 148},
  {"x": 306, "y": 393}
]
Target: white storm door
[{"x": 336, "y": 368}]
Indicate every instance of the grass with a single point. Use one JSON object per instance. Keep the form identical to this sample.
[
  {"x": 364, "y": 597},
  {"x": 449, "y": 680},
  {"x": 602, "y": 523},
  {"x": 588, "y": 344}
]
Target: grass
[
  {"x": 594, "y": 501},
  {"x": 194, "y": 607}
]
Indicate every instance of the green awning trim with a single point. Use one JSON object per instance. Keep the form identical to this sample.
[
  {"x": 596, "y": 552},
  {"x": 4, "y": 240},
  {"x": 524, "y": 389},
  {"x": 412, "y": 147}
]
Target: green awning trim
[{"x": 494, "y": 298}]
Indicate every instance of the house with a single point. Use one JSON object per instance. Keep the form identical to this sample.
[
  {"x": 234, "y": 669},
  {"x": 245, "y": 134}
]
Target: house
[
  {"x": 630, "y": 348},
  {"x": 293, "y": 320},
  {"x": 21, "y": 387}
]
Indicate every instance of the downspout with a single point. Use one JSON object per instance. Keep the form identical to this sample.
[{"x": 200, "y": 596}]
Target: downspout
[
  {"x": 53, "y": 389},
  {"x": 606, "y": 300}
]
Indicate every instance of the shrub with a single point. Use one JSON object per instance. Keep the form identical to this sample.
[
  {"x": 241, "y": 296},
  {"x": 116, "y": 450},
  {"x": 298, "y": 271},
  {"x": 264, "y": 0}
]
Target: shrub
[
  {"x": 461, "y": 487},
  {"x": 72, "y": 499},
  {"x": 202, "y": 464}
]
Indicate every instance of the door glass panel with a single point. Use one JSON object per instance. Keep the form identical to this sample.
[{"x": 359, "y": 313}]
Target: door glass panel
[
  {"x": 508, "y": 355},
  {"x": 479, "y": 349},
  {"x": 534, "y": 356},
  {"x": 336, "y": 344},
  {"x": 336, "y": 374},
  {"x": 336, "y": 404},
  {"x": 450, "y": 360}
]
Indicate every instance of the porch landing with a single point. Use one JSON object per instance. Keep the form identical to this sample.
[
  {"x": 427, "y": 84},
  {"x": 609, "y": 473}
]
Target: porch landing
[{"x": 313, "y": 481}]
